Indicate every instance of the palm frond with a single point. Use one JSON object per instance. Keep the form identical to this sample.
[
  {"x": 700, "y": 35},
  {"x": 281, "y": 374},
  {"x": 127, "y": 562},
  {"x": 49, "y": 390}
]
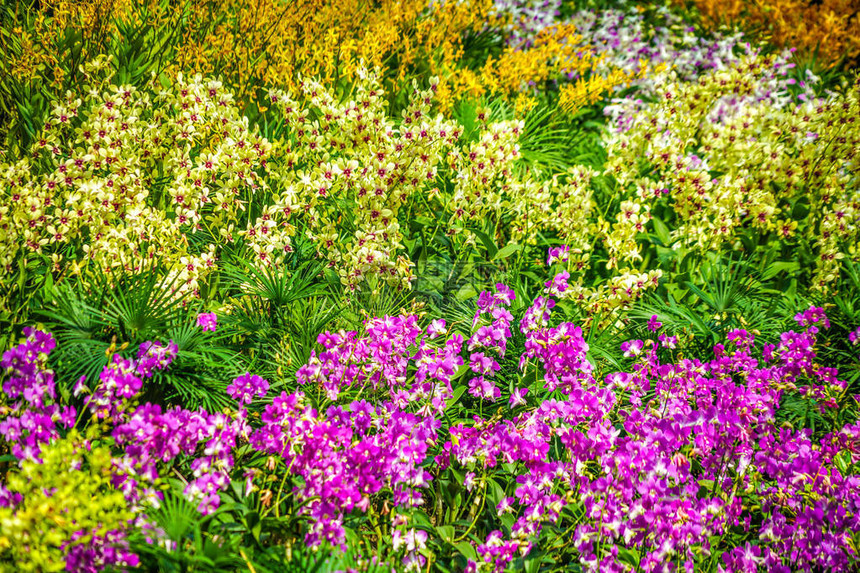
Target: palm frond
[{"x": 276, "y": 285}]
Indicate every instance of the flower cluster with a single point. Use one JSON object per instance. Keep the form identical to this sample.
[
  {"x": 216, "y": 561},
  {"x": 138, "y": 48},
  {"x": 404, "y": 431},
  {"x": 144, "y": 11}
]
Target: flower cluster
[
  {"x": 413, "y": 541},
  {"x": 144, "y": 438},
  {"x": 490, "y": 183},
  {"x": 250, "y": 44},
  {"x": 491, "y": 329},
  {"x": 484, "y": 170},
  {"x": 207, "y": 321},
  {"x": 59, "y": 510},
  {"x": 122, "y": 379},
  {"x": 32, "y": 420},
  {"x": 665, "y": 458},
  {"x": 151, "y": 436},
  {"x": 125, "y": 175},
  {"x": 693, "y": 450},
  {"x": 727, "y": 158},
  {"x": 854, "y": 337},
  {"x": 605, "y": 302},
  {"x": 245, "y": 387},
  {"x": 554, "y": 54},
  {"x": 345, "y": 456},
  {"x": 525, "y": 19},
  {"x": 827, "y": 30},
  {"x": 561, "y": 351},
  {"x": 383, "y": 359},
  {"x": 65, "y": 514},
  {"x": 352, "y": 153},
  {"x": 655, "y": 39}
]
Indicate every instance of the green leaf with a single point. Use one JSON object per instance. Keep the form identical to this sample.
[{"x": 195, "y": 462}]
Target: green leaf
[
  {"x": 629, "y": 556},
  {"x": 459, "y": 391},
  {"x": 445, "y": 533},
  {"x": 778, "y": 267},
  {"x": 489, "y": 244},
  {"x": 421, "y": 519},
  {"x": 662, "y": 231},
  {"x": 533, "y": 562},
  {"x": 466, "y": 550},
  {"x": 466, "y": 292},
  {"x": 507, "y": 251},
  {"x": 495, "y": 493}
]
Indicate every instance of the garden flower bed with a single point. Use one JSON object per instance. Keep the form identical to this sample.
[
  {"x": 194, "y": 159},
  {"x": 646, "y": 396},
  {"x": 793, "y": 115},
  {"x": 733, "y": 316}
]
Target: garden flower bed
[{"x": 458, "y": 286}]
